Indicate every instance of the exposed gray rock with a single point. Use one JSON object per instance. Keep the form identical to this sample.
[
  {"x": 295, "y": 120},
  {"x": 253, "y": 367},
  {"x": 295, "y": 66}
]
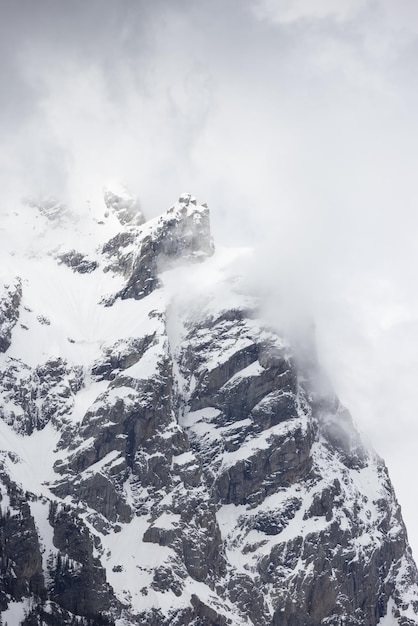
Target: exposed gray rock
[
  {"x": 10, "y": 300},
  {"x": 79, "y": 580},
  {"x": 78, "y": 262},
  {"x": 120, "y": 252},
  {"x": 21, "y": 571},
  {"x": 120, "y": 356},
  {"x": 38, "y": 395}
]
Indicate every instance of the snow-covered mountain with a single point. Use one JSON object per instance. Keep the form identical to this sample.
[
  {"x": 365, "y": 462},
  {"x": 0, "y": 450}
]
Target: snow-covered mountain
[{"x": 166, "y": 457}]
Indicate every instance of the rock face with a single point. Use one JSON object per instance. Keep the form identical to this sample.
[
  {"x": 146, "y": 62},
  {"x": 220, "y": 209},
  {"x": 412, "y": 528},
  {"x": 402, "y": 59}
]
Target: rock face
[
  {"x": 34, "y": 396},
  {"x": 10, "y": 299},
  {"x": 78, "y": 262},
  {"x": 167, "y": 460}
]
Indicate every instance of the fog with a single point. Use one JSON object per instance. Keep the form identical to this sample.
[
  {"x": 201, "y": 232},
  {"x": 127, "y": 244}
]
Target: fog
[{"x": 294, "y": 120}]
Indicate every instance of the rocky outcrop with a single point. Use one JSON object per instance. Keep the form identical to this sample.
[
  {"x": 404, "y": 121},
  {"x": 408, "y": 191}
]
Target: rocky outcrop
[
  {"x": 182, "y": 235},
  {"x": 78, "y": 262},
  {"x": 78, "y": 579},
  {"x": 32, "y": 397},
  {"x": 10, "y": 299},
  {"x": 21, "y": 572},
  {"x": 120, "y": 356}
]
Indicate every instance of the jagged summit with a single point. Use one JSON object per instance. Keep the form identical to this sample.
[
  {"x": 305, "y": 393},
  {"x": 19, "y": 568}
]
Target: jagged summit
[
  {"x": 165, "y": 458},
  {"x": 180, "y": 235}
]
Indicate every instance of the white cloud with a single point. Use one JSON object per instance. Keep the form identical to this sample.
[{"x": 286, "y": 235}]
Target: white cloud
[{"x": 299, "y": 130}]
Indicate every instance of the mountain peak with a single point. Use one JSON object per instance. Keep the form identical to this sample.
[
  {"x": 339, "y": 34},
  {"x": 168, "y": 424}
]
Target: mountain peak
[
  {"x": 178, "y": 236},
  {"x": 167, "y": 459}
]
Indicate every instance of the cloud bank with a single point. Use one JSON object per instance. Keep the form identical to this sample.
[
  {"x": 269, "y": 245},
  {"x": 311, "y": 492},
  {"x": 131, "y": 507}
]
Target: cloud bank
[{"x": 294, "y": 120}]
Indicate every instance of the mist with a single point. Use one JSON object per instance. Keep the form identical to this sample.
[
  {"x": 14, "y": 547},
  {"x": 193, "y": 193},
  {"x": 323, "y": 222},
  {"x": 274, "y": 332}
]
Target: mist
[{"x": 294, "y": 121}]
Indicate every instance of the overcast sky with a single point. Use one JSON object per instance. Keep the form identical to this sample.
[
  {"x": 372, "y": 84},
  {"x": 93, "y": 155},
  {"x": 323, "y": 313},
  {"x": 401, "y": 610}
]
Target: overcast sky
[{"x": 295, "y": 120}]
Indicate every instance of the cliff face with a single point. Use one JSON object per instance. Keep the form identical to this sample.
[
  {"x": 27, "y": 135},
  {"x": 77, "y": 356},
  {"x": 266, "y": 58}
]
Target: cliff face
[{"x": 165, "y": 457}]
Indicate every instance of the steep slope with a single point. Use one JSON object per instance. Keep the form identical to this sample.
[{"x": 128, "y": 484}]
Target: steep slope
[{"x": 166, "y": 457}]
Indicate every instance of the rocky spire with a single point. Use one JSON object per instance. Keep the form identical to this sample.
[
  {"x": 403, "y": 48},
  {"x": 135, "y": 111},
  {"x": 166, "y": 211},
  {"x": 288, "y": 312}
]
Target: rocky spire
[{"x": 181, "y": 235}]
